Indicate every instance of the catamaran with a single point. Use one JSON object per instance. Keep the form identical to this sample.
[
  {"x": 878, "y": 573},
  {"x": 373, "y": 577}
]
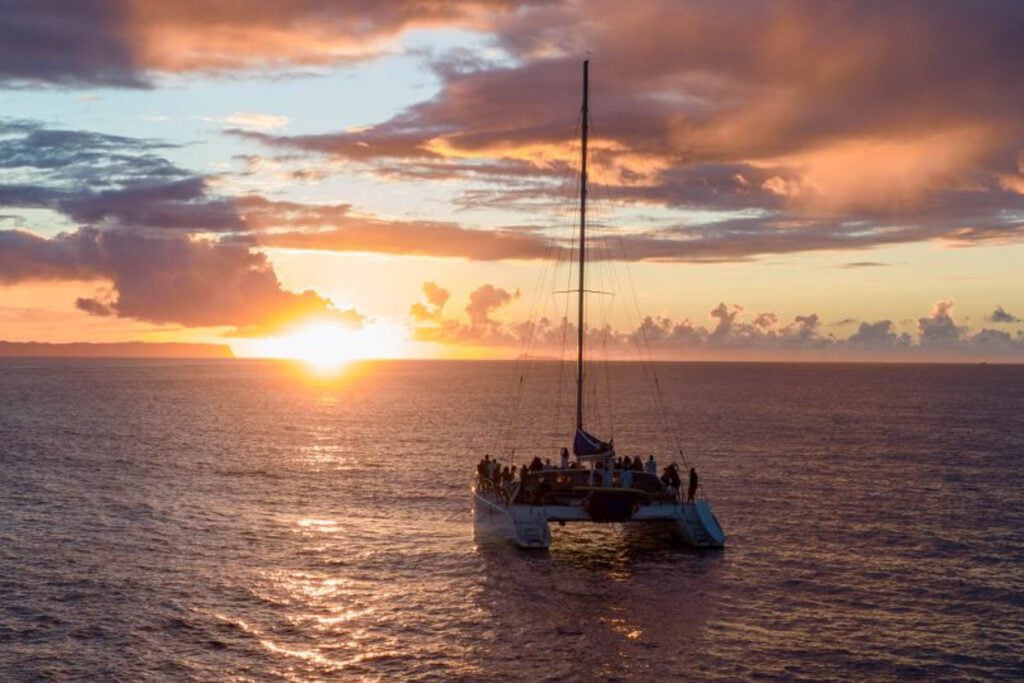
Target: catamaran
[{"x": 596, "y": 487}]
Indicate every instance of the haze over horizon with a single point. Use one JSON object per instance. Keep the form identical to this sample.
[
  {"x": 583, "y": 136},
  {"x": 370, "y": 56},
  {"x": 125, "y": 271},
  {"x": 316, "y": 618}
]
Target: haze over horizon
[{"x": 786, "y": 180}]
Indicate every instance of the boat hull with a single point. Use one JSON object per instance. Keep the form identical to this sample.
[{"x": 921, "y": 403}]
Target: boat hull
[{"x": 528, "y": 525}]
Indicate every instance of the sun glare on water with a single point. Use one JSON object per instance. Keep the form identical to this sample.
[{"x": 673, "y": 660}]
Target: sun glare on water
[{"x": 328, "y": 346}]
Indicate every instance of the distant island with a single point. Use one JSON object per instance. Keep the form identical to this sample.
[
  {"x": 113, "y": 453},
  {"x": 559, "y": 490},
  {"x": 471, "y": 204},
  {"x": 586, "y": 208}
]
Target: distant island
[{"x": 115, "y": 350}]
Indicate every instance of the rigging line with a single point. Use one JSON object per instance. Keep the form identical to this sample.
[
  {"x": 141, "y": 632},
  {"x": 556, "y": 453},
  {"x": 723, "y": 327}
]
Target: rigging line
[
  {"x": 647, "y": 363},
  {"x": 606, "y": 365},
  {"x": 642, "y": 346},
  {"x": 571, "y": 183},
  {"x": 600, "y": 333},
  {"x": 568, "y": 261},
  {"x": 612, "y": 271},
  {"x": 523, "y": 365},
  {"x": 609, "y": 312},
  {"x": 606, "y": 272}
]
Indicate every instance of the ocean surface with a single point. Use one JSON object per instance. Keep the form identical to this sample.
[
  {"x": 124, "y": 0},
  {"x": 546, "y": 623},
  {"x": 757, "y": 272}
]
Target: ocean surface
[{"x": 236, "y": 520}]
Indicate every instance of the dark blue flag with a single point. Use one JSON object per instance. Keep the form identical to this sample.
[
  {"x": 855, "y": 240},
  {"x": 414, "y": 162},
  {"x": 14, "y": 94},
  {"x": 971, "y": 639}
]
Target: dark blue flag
[{"x": 588, "y": 444}]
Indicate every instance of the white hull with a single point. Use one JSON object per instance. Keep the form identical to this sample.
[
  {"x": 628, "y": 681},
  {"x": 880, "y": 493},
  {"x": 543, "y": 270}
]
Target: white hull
[{"x": 527, "y": 525}]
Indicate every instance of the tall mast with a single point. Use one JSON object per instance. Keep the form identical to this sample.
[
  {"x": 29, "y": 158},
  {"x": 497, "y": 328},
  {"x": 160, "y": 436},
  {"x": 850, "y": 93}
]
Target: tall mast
[{"x": 583, "y": 249}]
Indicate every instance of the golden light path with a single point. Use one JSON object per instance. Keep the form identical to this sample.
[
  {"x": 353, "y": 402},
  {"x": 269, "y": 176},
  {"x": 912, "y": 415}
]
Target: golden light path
[{"x": 327, "y": 346}]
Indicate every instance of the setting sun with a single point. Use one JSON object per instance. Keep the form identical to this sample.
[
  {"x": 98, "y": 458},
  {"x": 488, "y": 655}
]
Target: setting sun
[{"x": 327, "y": 345}]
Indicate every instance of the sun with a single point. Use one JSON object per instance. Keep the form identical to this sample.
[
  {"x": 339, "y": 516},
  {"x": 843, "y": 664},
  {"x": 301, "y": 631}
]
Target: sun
[{"x": 327, "y": 346}]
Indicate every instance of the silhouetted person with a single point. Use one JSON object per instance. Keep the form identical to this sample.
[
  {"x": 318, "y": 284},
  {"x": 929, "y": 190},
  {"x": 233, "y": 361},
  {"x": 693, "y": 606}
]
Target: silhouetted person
[
  {"x": 672, "y": 474},
  {"x": 542, "y": 493},
  {"x": 692, "y": 490},
  {"x": 652, "y": 466},
  {"x": 626, "y": 478},
  {"x": 536, "y": 465},
  {"x": 482, "y": 471}
]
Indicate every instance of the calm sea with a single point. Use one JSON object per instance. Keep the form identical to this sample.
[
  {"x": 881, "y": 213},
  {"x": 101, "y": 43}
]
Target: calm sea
[{"x": 235, "y": 520}]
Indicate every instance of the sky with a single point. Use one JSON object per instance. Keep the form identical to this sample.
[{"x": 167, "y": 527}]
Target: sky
[{"x": 769, "y": 180}]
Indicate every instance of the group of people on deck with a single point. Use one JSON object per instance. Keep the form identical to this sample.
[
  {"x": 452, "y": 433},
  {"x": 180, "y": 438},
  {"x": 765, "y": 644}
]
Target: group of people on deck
[{"x": 491, "y": 473}]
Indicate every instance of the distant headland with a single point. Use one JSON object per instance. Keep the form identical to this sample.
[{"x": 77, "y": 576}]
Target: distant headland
[{"x": 133, "y": 349}]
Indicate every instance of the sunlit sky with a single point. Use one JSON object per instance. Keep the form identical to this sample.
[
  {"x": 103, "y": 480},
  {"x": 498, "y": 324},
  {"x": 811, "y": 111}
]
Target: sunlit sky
[{"x": 355, "y": 179}]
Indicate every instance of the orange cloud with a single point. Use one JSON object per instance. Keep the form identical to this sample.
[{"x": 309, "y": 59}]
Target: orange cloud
[
  {"x": 194, "y": 35},
  {"x": 122, "y": 43},
  {"x": 886, "y": 175},
  {"x": 335, "y": 227}
]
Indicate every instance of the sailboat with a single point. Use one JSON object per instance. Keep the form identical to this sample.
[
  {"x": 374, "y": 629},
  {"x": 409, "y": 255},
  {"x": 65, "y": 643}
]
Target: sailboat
[{"x": 595, "y": 487}]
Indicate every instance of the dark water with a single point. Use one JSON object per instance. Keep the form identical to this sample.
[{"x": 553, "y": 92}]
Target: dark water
[{"x": 246, "y": 521}]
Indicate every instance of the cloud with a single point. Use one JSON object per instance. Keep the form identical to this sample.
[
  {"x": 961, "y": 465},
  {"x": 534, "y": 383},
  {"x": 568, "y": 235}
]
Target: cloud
[
  {"x": 431, "y": 325},
  {"x": 864, "y": 264},
  {"x": 766, "y": 320},
  {"x": 146, "y": 226},
  {"x": 122, "y": 43},
  {"x": 433, "y": 309},
  {"x": 336, "y": 227},
  {"x": 66, "y": 43},
  {"x": 806, "y": 119},
  {"x": 879, "y": 334},
  {"x": 484, "y": 300},
  {"x": 98, "y": 41},
  {"x": 115, "y": 182},
  {"x": 725, "y": 334},
  {"x": 106, "y": 180},
  {"x": 165, "y": 279},
  {"x": 939, "y": 329},
  {"x": 794, "y": 120},
  {"x": 255, "y": 121},
  {"x": 1001, "y": 316}
]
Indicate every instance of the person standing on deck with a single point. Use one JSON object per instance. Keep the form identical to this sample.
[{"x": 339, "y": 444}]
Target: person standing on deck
[
  {"x": 651, "y": 466},
  {"x": 671, "y": 478},
  {"x": 692, "y": 490},
  {"x": 626, "y": 478},
  {"x": 565, "y": 458}
]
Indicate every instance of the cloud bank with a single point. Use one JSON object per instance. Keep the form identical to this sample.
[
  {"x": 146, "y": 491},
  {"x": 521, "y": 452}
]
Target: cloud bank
[
  {"x": 147, "y": 227},
  {"x": 124, "y": 43},
  {"x": 726, "y": 334},
  {"x": 831, "y": 126}
]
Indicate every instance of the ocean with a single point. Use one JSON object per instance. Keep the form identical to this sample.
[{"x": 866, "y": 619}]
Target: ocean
[{"x": 252, "y": 520}]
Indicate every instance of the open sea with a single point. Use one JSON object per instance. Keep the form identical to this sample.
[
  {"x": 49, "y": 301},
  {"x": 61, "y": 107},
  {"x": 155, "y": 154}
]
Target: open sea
[{"x": 247, "y": 520}]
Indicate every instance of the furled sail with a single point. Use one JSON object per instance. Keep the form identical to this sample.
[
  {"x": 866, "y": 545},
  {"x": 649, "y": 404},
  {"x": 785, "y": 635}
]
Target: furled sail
[{"x": 588, "y": 444}]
